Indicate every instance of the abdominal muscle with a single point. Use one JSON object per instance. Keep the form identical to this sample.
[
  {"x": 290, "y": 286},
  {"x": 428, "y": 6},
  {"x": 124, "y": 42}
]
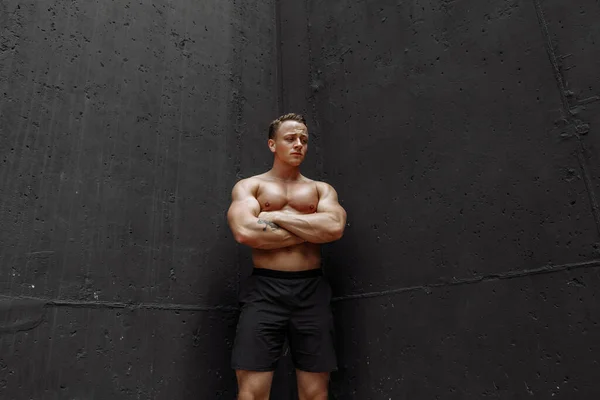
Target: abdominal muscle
[{"x": 299, "y": 257}]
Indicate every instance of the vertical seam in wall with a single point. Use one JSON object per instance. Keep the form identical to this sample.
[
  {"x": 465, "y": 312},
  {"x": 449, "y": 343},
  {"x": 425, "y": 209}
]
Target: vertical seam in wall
[
  {"x": 278, "y": 52},
  {"x": 567, "y": 112},
  {"x": 312, "y": 103},
  {"x": 237, "y": 107}
]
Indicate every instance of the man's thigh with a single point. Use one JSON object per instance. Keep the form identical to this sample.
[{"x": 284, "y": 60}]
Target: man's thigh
[
  {"x": 261, "y": 329},
  {"x": 259, "y": 339},
  {"x": 312, "y": 333}
]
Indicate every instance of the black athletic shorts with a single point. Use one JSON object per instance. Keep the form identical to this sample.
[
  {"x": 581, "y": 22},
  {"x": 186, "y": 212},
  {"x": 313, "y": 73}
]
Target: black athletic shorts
[{"x": 277, "y": 305}]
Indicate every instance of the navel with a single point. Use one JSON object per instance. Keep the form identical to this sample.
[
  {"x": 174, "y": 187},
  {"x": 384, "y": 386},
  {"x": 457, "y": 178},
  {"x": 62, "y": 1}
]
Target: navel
[{"x": 312, "y": 207}]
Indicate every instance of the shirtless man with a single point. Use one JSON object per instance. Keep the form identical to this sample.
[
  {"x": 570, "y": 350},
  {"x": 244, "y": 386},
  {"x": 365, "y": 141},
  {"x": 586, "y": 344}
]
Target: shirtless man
[{"x": 285, "y": 217}]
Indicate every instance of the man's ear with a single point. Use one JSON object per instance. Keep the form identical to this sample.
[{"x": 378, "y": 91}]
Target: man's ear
[{"x": 272, "y": 145}]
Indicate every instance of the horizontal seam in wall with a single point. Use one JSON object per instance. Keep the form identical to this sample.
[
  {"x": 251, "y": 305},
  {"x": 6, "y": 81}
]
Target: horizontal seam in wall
[{"x": 427, "y": 288}]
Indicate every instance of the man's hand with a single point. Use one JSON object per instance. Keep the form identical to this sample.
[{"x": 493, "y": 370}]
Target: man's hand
[
  {"x": 267, "y": 218},
  {"x": 268, "y": 215}
]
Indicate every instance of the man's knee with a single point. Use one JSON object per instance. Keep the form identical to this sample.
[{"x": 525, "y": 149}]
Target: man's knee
[
  {"x": 245, "y": 396},
  {"x": 315, "y": 390},
  {"x": 312, "y": 386},
  {"x": 248, "y": 395},
  {"x": 315, "y": 394},
  {"x": 254, "y": 385},
  {"x": 253, "y": 394}
]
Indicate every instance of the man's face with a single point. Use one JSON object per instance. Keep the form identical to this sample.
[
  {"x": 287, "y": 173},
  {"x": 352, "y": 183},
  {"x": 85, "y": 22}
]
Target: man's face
[{"x": 290, "y": 143}]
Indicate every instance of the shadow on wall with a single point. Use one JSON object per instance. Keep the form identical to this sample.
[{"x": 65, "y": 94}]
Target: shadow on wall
[
  {"x": 343, "y": 260},
  {"x": 213, "y": 330}
]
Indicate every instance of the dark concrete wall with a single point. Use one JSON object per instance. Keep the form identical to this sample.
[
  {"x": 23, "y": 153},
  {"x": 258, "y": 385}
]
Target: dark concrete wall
[
  {"x": 462, "y": 139},
  {"x": 124, "y": 125},
  {"x": 460, "y": 136}
]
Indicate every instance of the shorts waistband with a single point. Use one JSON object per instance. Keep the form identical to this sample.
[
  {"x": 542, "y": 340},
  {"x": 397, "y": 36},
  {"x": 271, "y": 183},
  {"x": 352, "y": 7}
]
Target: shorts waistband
[{"x": 271, "y": 273}]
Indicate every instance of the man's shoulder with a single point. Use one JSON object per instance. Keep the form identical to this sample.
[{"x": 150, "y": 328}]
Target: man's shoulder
[
  {"x": 251, "y": 180},
  {"x": 246, "y": 184},
  {"x": 317, "y": 183},
  {"x": 324, "y": 189},
  {"x": 322, "y": 185},
  {"x": 251, "y": 183}
]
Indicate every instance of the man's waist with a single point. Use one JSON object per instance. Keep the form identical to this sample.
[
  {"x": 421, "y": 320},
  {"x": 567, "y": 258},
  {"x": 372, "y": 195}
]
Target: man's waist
[{"x": 288, "y": 274}]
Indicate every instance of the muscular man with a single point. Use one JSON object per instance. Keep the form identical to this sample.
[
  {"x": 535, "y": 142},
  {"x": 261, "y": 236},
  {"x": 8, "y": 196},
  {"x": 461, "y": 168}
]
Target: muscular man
[{"x": 285, "y": 217}]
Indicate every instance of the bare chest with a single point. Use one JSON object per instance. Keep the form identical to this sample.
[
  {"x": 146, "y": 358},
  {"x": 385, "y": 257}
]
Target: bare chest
[{"x": 301, "y": 197}]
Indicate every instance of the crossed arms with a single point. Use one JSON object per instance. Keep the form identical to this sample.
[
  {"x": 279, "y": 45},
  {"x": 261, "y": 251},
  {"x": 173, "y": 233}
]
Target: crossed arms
[{"x": 270, "y": 230}]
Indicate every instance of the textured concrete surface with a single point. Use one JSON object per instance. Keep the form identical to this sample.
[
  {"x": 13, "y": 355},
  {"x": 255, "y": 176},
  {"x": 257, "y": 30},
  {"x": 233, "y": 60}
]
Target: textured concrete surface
[
  {"x": 83, "y": 353},
  {"x": 573, "y": 34},
  {"x": 460, "y": 135},
  {"x": 461, "y": 144},
  {"x": 123, "y": 127},
  {"x": 527, "y": 338}
]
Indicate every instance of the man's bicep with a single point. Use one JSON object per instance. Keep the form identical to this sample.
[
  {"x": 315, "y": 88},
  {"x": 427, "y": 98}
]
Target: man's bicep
[
  {"x": 240, "y": 212},
  {"x": 329, "y": 203},
  {"x": 244, "y": 205}
]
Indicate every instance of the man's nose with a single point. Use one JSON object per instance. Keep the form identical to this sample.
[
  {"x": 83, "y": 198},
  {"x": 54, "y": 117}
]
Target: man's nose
[{"x": 298, "y": 143}]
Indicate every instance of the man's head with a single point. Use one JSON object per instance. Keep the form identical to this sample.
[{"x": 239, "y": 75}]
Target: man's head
[{"x": 288, "y": 138}]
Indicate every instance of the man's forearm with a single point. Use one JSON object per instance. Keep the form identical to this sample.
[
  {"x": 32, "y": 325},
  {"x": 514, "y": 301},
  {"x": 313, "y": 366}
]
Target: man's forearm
[
  {"x": 267, "y": 235},
  {"x": 314, "y": 228}
]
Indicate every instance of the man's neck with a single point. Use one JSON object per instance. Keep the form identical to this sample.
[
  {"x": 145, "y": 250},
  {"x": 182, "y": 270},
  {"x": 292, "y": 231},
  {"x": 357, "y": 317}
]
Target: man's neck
[{"x": 284, "y": 172}]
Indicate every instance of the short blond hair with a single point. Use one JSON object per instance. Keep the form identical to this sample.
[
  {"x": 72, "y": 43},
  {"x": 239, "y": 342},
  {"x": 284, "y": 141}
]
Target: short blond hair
[{"x": 276, "y": 123}]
